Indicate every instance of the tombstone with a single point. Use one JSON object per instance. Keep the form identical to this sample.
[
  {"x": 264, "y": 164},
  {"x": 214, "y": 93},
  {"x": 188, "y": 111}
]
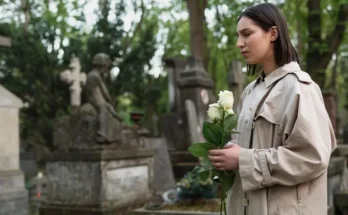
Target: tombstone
[
  {"x": 28, "y": 164},
  {"x": 190, "y": 93},
  {"x": 99, "y": 166},
  {"x": 13, "y": 195},
  {"x": 235, "y": 80},
  {"x": 163, "y": 171},
  {"x": 335, "y": 172}
]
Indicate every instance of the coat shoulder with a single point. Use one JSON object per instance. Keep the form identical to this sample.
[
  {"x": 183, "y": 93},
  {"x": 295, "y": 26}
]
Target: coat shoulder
[{"x": 299, "y": 82}]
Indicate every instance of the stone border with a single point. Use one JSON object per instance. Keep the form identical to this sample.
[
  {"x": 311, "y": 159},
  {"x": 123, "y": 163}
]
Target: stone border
[
  {"x": 143, "y": 211},
  {"x": 100, "y": 155}
]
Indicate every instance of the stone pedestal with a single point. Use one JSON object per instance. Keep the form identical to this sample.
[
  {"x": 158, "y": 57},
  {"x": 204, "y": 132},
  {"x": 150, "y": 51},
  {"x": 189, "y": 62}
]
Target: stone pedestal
[
  {"x": 13, "y": 195},
  {"x": 97, "y": 182}
]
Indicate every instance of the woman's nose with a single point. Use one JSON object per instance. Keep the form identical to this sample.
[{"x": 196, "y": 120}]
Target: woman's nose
[{"x": 240, "y": 43}]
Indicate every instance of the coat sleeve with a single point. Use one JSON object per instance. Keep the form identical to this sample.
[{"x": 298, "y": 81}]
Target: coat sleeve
[{"x": 308, "y": 140}]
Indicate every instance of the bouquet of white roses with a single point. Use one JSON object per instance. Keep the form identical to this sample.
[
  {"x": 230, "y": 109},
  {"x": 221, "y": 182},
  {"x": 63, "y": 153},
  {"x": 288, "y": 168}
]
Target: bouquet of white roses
[{"x": 217, "y": 134}]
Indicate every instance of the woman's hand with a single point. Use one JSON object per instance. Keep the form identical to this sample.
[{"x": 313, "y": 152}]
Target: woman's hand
[{"x": 226, "y": 158}]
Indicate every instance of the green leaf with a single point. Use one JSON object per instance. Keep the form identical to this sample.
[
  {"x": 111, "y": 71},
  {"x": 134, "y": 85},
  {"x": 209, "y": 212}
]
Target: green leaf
[
  {"x": 230, "y": 123},
  {"x": 212, "y": 133},
  {"x": 204, "y": 175},
  {"x": 201, "y": 149},
  {"x": 226, "y": 138},
  {"x": 227, "y": 180},
  {"x": 205, "y": 162}
]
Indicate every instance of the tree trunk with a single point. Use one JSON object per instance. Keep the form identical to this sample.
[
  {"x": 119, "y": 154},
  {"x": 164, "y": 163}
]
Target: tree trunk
[
  {"x": 198, "y": 47},
  {"x": 26, "y": 10},
  {"x": 320, "y": 50}
]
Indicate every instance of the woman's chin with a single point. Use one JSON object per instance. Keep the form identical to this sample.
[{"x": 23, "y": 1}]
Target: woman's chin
[{"x": 250, "y": 61}]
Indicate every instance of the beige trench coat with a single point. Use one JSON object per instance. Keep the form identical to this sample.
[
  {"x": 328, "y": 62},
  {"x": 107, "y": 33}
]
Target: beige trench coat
[{"x": 285, "y": 171}]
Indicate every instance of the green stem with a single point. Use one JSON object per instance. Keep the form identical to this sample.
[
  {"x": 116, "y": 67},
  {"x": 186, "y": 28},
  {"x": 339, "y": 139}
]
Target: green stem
[
  {"x": 225, "y": 207},
  {"x": 222, "y": 198},
  {"x": 222, "y": 128}
]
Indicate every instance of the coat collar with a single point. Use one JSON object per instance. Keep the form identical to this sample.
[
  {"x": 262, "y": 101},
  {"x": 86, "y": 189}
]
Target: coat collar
[{"x": 282, "y": 71}]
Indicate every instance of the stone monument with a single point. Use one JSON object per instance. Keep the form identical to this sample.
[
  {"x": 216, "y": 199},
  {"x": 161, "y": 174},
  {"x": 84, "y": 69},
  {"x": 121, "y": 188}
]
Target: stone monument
[
  {"x": 99, "y": 166},
  {"x": 190, "y": 93},
  {"x": 236, "y": 81},
  {"x": 13, "y": 195}
]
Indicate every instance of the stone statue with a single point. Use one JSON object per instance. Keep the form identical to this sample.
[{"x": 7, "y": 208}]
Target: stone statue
[{"x": 96, "y": 94}]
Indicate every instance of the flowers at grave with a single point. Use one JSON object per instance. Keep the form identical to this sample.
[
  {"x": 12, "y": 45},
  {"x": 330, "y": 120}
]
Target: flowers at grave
[
  {"x": 192, "y": 187},
  {"x": 217, "y": 134}
]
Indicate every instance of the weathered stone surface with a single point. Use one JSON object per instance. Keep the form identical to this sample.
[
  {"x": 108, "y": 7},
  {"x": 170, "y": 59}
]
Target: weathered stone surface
[
  {"x": 8, "y": 99},
  {"x": 79, "y": 133},
  {"x": 335, "y": 171},
  {"x": 73, "y": 182},
  {"x": 14, "y": 203},
  {"x": 124, "y": 185},
  {"x": 336, "y": 166},
  {"x": 163, "y": 170},
  {"x": 11, "y": 180},
  {"x": 28, "y": 164},
  {"x": 101, "y": 183},
  {"x": 13, "y": 196},
  {"x": 9, "y": 141}
]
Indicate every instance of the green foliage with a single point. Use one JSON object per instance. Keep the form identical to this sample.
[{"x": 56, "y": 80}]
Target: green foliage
[{"x": 31, "y": 67}]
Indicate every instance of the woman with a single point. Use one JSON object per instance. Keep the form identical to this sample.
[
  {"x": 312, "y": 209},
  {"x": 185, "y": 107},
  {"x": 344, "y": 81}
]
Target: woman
[{"x": 282, "y": 152}]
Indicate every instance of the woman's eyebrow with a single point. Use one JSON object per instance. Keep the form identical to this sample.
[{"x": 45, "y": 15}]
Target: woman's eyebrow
[{"x": 243, "y": 30}]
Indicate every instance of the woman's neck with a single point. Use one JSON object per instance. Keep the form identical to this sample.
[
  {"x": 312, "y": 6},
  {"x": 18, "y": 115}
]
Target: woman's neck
[{"x": 269, "y": 66}]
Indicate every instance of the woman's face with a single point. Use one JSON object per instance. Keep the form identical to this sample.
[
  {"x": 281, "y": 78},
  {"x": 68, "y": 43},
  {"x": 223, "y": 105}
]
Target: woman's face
[{"x": 254, "y": 43}]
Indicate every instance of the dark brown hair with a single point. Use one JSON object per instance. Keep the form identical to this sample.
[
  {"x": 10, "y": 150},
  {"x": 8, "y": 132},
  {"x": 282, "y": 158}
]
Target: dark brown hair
[{"x": 266, "y": 16}]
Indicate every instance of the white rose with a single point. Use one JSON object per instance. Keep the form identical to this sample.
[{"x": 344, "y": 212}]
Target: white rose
[
  {"x": 229, "y": 112},
  {"x": 226, "y": 99},
  {"x": 215, "y": 111}
]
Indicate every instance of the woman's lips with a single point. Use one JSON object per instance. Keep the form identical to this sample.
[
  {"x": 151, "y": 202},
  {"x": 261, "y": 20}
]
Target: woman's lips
[{"x": 244, "y": 53}]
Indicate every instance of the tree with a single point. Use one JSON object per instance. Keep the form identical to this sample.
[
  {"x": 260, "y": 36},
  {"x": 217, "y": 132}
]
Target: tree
[
  {"x": 320, "y": 50},
  {"x": 197, "y": 22}
]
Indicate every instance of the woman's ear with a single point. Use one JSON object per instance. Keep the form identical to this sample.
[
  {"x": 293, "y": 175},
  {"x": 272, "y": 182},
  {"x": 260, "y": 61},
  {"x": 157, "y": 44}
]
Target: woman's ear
[{"x": 274, "y": 33}]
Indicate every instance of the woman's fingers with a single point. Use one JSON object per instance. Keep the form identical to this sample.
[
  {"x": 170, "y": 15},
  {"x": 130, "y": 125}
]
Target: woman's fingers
[
  {"x": 214, "y": 158},
  {"x": 218, "y": 165},
  {"x": 215, "y": 152}
]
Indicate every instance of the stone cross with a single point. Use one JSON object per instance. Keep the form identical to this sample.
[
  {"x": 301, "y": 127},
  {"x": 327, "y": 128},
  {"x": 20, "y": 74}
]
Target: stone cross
[{"x": 75, "y": 78}]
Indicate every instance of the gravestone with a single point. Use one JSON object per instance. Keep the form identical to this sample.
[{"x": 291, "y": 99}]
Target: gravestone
[
  {"x": 163, "y": 171},
  {"x": 236, "y": 82},
  {"x": 99, "y": 166},
  {"x": 28, "y": 164},
  {"x": 13, "y": 195},
  {"x": 190, "y": 93}
]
